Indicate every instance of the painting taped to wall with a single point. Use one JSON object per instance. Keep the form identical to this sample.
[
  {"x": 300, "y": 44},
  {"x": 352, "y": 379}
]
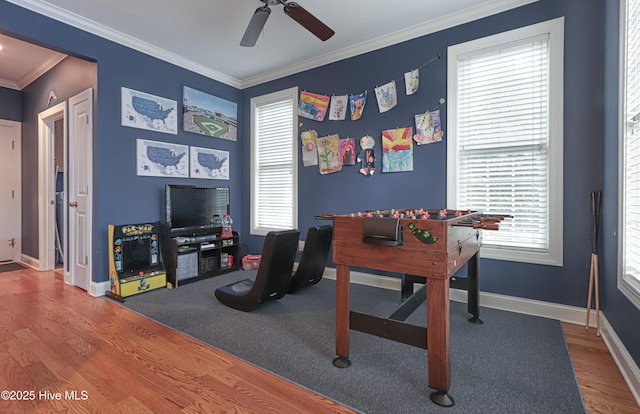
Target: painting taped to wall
[{"x": 397, "y": 150}]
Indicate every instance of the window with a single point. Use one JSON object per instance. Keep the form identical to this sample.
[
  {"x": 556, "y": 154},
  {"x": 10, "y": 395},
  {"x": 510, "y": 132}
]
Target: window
[
  {"x": 504, "y": 147},
  {"x": 274, "y": 162},
  {"x": 629, "y": 132}
]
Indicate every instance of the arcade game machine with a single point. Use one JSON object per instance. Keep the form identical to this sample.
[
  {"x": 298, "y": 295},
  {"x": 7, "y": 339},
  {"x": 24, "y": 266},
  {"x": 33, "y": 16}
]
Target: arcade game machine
[{"x": 135, "y": 260}]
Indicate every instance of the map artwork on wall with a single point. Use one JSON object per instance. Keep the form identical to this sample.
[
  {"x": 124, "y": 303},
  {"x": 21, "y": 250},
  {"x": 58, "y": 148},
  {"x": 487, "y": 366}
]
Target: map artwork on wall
[
  {"x": 209, "y": 163},
  {"x": 146, "y": 111},
  {"x": 162, "y": 159},
  {"x": 209, "y": 115}
]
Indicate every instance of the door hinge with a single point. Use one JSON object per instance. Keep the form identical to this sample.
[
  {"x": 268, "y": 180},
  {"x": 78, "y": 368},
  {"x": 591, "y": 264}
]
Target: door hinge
[
  {"x": 13, "y": 145},
  {"x": 13, "y": 194},
  {"x": 12, "y": 242}
]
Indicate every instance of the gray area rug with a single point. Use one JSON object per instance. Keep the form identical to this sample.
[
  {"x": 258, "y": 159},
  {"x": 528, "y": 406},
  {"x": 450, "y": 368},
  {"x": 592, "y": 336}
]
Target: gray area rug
[
  {"x": 10, "y": 267},
  {"x": 512, "y": 363}
]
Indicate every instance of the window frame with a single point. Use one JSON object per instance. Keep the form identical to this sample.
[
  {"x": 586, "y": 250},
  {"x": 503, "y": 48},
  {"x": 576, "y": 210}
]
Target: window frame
[
  {"x": 629, "y": 286},
  {"x": 290, "y": 93},
  {"x": 554, "y": 29}
]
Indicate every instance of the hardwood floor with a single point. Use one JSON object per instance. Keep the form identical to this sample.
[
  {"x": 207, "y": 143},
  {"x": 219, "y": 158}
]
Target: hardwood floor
[
  {"x": 63, "y": 351},
  {"x": 603, "y": 388}
]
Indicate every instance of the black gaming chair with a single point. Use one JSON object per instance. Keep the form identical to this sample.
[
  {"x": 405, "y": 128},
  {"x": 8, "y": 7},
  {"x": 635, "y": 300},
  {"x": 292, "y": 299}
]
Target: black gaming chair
[
  {"x": 314, "y": 258},
  {"x": 272, "y": 278}
]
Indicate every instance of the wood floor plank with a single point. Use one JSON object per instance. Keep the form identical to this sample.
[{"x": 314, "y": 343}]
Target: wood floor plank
[
  {"x": 603, "y": 388},
  {"x": 57, "y": 338}
]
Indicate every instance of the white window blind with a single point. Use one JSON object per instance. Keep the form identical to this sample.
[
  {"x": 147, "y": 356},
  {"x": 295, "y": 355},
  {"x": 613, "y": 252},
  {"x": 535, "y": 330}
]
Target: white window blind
[
  {"x": 631, "y": 151},
  {"x": 504, "y": 150},
  {"x": 274, "y": 161},
  {"x": 503, "y": 141}
]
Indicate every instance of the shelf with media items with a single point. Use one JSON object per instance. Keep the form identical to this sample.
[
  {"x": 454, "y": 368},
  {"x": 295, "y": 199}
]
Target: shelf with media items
[
  {"x": 199, "y": 242},
  {"x": 188, "y": 259}
]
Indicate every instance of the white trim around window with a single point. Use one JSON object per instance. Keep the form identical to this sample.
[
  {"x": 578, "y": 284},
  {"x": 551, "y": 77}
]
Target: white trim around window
[
  {"x": 628, "y": 147},
  {"x": 546, "y": 142},
  {"x": 274, "y": 162}
]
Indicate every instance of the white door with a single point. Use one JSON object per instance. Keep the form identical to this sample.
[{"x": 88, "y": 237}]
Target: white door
[
  {"x": 10, "y": 221},
  {"x": 80, "y": 187}
]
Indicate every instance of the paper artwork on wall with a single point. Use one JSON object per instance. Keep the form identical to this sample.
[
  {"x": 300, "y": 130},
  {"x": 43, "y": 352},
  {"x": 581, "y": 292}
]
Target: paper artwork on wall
[
  {"x": 313, "y": 105},
  {"x": 428, "y": 128},
  {"x": 328, "y": 154},
  {"x": 309, "y": 151},
  {"x": 209, "y": 163},
  {"x": 209, "y": 115},
  {"x": 338, "y": 107},
  {"x": 387, "y": 96},
  {"x": 347, "y": 148},
  {"x": 161, "y": 159},
  {"x": 411, "y": 81},
  {"x": 145, "y": 111},
  {"x": 356, "y": 105},
  {"x": 397, "y": 150}
]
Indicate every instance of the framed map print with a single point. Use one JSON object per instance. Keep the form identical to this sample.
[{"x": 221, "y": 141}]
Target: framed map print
[
  {"x": 209, "y": 163},
  {"x": 146, "y": 111},
  {"x": 162, "y": 159}
]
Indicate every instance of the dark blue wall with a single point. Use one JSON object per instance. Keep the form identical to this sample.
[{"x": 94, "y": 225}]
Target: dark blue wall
[
  {"x": 425, "y": 186},
  {"x": 10, "y": 104},
  {"x": 623, "y": 316},
  {"x": 120, "y": 196}
]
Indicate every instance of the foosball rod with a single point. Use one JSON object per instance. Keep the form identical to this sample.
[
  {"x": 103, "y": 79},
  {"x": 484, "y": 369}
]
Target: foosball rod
[{"x": 478, "y": 225}]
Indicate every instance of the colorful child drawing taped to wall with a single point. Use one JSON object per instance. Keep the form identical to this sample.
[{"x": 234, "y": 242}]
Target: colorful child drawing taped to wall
[{"x": 397, "y": 150}]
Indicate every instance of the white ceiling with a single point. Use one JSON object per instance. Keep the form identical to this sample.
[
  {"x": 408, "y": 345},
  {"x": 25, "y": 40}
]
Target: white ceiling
[{"x": 204, "y": 35}]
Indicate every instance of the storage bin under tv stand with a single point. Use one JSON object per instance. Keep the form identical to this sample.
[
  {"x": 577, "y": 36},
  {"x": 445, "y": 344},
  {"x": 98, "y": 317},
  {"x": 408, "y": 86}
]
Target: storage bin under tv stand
[{"x": 194, "y": 257}]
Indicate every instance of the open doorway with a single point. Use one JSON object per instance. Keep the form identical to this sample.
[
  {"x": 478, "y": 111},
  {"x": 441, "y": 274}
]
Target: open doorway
[
  {"x": 55, "y": 205},
  {"x": 52, "y": 126}
]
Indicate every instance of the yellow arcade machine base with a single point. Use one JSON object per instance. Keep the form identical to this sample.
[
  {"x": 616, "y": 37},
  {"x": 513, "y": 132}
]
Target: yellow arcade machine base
[{"x": 135, "y": 260}]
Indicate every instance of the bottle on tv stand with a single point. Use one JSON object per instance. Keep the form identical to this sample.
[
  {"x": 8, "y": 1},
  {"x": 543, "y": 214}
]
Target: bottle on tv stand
[{"x": 226, "y": 227}]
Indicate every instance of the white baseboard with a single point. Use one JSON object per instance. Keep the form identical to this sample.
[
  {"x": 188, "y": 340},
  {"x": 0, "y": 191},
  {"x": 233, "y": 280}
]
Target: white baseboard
[
  {"x": 99, "y": 288},
  {"x": 565, "y": 313},
  {"x": 30, "y": 261},
  {"x": 625, "y": 363}
]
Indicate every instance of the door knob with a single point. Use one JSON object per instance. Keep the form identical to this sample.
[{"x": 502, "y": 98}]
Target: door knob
[{"x": 73, "y": 204}]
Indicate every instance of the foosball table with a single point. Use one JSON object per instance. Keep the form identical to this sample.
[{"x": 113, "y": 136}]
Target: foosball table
[{"x": 426, "y": 246}]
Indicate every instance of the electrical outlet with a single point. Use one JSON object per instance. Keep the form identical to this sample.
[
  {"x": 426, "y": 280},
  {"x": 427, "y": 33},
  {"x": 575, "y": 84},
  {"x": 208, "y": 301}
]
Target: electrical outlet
[{"x": 300, "y": 245}]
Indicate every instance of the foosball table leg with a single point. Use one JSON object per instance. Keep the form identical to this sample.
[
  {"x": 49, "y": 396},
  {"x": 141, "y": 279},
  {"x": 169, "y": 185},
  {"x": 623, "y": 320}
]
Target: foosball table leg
[{"x": 473, "y": 289}]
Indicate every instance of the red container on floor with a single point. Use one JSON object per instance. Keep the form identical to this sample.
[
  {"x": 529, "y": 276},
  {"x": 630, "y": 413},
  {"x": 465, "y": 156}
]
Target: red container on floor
[{"x": 251, "y": 262}]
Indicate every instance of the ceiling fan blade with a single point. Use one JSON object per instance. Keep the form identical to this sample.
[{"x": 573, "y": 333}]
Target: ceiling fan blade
[
  {"x": 308, "y": 20},
  {"x": 255, "y": 26}
]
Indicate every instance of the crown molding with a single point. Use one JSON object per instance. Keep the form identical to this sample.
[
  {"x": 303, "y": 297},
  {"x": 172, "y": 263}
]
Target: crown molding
[
  {"x": 5, "y": 83},
  {"x": 98, "y": 29},
  {"x": 428, "y": 27},
  {"x": 48, "y": 63}
]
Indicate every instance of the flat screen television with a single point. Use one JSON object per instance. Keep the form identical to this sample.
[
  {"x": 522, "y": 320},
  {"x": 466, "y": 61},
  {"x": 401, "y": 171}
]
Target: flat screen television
[{"x": 193, "y": 209}]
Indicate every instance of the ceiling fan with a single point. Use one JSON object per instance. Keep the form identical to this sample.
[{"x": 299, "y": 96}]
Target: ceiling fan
[{"x": 293, "y": 10}]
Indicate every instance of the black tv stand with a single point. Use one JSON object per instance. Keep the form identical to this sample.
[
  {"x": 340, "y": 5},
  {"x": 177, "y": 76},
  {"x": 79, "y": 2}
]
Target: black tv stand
[{"x": 199, "y": 256}]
